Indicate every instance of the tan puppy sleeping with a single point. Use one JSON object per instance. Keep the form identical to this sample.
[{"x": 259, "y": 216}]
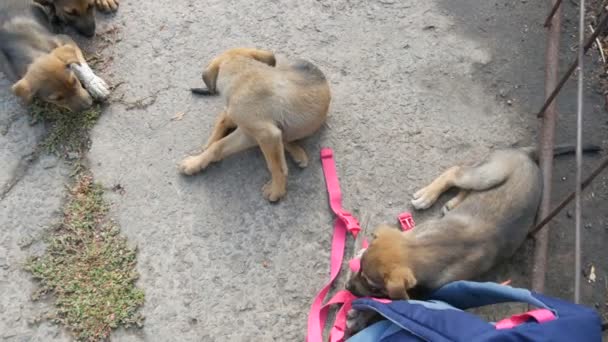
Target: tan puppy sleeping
[
  {"x": 483, "y": 224},
  {"x": 265, "y": 105}
]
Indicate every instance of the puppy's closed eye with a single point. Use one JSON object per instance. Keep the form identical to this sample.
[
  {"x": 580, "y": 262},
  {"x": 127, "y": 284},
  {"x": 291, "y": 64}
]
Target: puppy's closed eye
[{"x": 374, "y": 288}]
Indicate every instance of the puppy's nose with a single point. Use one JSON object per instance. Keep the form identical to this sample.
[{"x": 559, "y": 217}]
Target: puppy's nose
[
  {"x": 88, "y": 102},
  {"x": 349, "y": 286},
  {"x": 87, "y": 29},
  {"x": 85, "y": 104},
  {"x": 81, "y": 105}
]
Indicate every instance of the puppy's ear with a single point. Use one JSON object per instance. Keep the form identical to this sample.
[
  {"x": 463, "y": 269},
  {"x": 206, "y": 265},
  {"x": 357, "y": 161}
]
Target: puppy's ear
[
  {"x": 398, "y": 282},
  {"x": 210, "y": 76},
  {"x": 24, "y": 90},
  {"x": 67, "y": 54},
  {"x": 263, "y": 56}
]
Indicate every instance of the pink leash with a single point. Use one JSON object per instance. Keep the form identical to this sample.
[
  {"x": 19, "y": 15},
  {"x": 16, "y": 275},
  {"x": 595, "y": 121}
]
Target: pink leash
[{"x": 345, "y": 222}]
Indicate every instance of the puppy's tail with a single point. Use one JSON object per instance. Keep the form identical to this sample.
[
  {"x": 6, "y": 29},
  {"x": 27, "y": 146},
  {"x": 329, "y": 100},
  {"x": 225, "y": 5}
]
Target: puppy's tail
[
  {"x": 202, "y": 91},
  {"x": 560, "y": 150}
]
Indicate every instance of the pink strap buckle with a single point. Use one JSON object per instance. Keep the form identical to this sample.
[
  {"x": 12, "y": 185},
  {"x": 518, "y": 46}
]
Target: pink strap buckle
[
  {"x": 539, "y": 315},
  {"x": 327, "y": 153},
  {"x": 351, "y": 222},
  {"x": 407, "y": 221}
]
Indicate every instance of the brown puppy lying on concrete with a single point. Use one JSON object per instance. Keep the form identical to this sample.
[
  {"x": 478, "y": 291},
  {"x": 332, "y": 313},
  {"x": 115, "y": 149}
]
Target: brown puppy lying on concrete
[
  {"x": 271, "y": 107},
  {"x": 486, "y": 222},
  {"x": 78, "y": 14},
  {"x": 42, "y": 64},
  {"x": 482, "y": 225}
]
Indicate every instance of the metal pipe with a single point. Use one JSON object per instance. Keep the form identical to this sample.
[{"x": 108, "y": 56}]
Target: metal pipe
[
  {"x": 558, "y": 3},
  {"x": 588, "y": 44},
  {"x": 570, "y": 197},
  {"x": 547, "y": 133},
  {"x": 579, "y": 153}
]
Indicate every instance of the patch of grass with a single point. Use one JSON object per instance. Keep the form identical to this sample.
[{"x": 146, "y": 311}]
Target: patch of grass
[
  {"x": 88, "y": 268},
  {"x": 68, "y": 131}
]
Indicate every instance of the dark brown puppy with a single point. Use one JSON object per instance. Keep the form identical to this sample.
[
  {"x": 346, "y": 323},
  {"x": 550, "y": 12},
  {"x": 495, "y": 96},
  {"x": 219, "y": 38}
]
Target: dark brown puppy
[
  {"x": 78, "y": 14},
  {"x": 483, "y": 225},
  {"x": 267, "y": 106}
]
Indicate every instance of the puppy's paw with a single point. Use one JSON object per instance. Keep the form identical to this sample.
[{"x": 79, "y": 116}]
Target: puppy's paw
[
  {"x": 301, "y": 161},
  {"x": 424, "y": 198},
  {"x": 107, "y": 5},
  {"x": 190, "y": 165},
  {"x": 445, "y": 210},
  {"x": 98, "y": 88},
  {"x": 300, "y": 157},
  {"x": 272, "y": 192},
  {"x": 451, "y": 204},
  {"x": 297, "y": 153}
]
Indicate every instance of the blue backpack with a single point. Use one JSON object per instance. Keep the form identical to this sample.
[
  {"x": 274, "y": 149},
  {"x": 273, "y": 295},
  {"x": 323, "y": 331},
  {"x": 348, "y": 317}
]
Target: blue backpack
[{"x": 441, "y": 319}]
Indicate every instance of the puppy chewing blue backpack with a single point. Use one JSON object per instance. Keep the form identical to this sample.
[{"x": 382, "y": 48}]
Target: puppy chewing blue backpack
[{"x": 440, "y": 315}]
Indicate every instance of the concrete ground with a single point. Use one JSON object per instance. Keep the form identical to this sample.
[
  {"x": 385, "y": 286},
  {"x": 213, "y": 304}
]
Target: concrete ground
[{"x": 417, "y": 86}]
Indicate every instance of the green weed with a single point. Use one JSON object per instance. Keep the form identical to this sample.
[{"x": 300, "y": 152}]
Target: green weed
[{"x": 89, "y": 268}]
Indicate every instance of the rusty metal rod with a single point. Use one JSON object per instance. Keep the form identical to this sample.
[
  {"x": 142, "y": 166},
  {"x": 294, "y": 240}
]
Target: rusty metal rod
[
  {"x": 552, "y": 13},
  {"x": 588, "y": 44},
  {"x": 570, "y": 197},
  {"x": 547, "y": 133}
]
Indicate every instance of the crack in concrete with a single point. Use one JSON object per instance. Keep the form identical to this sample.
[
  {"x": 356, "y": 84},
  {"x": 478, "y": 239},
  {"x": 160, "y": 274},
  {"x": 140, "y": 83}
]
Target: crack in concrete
[
  {"x": 19, "y": 172},
  {"x": 144, "y": 102},
  {"x": 5, "y": 125}
]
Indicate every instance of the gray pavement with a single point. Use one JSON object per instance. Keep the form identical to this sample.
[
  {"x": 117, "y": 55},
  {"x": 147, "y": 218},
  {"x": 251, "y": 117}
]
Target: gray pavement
[{"x": 417, "y": 86}]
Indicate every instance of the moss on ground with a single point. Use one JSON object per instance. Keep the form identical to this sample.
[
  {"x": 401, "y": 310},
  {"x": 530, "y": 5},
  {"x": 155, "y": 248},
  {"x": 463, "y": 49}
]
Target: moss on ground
[
  {"x": 89, "y": 268},
  {"x": 68, "y": 132}
]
